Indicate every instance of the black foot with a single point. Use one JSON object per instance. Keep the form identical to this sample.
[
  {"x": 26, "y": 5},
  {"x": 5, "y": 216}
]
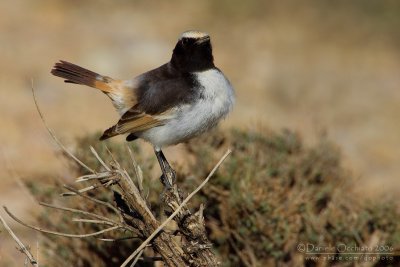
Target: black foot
[{"x": 168, "y": 178}]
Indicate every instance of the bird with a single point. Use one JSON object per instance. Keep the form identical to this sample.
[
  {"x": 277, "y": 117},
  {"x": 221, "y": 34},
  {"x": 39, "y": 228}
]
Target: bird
[{"x": 168, "y": 105}]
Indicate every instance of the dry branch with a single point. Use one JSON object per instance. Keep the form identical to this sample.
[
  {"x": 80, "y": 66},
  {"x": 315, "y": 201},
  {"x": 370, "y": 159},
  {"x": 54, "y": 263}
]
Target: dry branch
[
  {"x": 135, "y": 216},
  {"x": 22, "y": 247},
  {"x": 172, "y": 198}
]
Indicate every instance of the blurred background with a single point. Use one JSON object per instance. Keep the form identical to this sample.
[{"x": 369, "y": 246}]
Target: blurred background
[{"x": 316, "y": 67}]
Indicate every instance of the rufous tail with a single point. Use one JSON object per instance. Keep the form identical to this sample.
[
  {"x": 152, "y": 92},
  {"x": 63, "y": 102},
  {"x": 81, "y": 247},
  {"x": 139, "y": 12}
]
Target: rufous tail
[{"x": 74, "y": 74}]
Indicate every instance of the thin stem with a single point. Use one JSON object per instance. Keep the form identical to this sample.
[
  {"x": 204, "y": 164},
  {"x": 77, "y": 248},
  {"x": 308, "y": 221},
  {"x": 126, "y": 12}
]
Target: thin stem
[
  {"x": 77, "y": 211},
  {"x": 99, "y": 159},
  {"x": 108, "y": 205},
  {"x": 59, "y": 233},
  {"x": 91, "y": 221},
  {"x": 53, "y": 135},
  {"x": 20, "y": 244},
  {"x": 137, "y": 258}
]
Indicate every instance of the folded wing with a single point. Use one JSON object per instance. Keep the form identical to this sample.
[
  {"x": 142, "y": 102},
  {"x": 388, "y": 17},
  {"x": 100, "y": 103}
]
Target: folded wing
[{"x": 134, "y": 121}]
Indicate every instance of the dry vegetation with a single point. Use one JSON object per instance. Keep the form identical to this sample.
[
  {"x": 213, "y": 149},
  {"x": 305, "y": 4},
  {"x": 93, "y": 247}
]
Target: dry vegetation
[
  {"x": 270, "y": 195},
  {"x": 310, "y": 67}
]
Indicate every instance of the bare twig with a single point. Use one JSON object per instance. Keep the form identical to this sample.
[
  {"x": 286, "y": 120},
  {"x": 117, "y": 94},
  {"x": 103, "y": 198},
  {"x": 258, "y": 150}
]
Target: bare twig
[
  {"x": 108, "y": 205},
  {"x": 22, "y": 247},
  {"x": 112, "y": 156},
  {"x": 59, "y": 233},
  {"x": 99, "y": 159},
  {"x": 92, "y": 221},
  {"x": 92, "y": 187},
  {"x": 138, "y": 171},
  {"x": 77, "y": 211},
  {"x": 184, "y": 202},
  {"x": 101, "y": 175},
  {"x": 118, "y": 239},
  {"x": 137, "y": 258},
  {"x": 53, "y": 135}
]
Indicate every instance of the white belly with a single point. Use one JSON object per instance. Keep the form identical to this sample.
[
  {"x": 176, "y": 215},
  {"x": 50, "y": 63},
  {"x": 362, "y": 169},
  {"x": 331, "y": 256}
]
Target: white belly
[{"x": 191, "y": 120}]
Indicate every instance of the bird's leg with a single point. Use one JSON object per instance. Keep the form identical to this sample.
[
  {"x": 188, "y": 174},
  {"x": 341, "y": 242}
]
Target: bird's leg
[{"x": 169, "y": 175}]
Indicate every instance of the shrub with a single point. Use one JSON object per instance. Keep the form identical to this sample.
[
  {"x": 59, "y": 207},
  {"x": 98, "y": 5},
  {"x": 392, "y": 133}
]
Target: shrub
[{"x": 272, "y": 194}]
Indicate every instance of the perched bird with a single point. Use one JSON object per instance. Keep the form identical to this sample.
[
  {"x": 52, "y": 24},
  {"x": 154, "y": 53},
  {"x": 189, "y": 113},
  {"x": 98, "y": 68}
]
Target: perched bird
[{"x": 167, "y": 105}]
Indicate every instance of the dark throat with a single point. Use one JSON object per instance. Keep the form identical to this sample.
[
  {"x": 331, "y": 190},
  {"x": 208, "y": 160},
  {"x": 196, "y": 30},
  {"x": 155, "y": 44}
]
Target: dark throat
[{"x": 192, "y": 59}]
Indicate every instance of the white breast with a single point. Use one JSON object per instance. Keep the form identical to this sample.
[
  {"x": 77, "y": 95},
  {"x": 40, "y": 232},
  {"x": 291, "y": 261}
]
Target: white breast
[
  {"x": 216, "y": 102},
  {"x": 218, "y": 95}
]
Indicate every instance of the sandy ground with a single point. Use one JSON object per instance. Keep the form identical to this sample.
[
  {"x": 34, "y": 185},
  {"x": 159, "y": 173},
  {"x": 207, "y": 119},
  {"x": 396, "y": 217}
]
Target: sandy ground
[{"x": 312, "y": 68}]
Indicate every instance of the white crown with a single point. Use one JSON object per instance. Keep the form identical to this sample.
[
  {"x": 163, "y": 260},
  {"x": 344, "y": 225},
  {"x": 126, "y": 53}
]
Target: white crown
[{"x": 193, "y": 34}]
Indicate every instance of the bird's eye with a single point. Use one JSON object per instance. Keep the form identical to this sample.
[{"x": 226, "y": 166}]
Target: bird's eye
[{"x": 187, "y": 41}]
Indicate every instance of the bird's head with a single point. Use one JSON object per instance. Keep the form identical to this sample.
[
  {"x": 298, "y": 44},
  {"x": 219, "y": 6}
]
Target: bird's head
[{"x": 193, "y": 52}]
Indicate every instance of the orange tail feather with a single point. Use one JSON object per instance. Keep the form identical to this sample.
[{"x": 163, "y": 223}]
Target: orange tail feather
[{"x": 74, "y": 74}]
